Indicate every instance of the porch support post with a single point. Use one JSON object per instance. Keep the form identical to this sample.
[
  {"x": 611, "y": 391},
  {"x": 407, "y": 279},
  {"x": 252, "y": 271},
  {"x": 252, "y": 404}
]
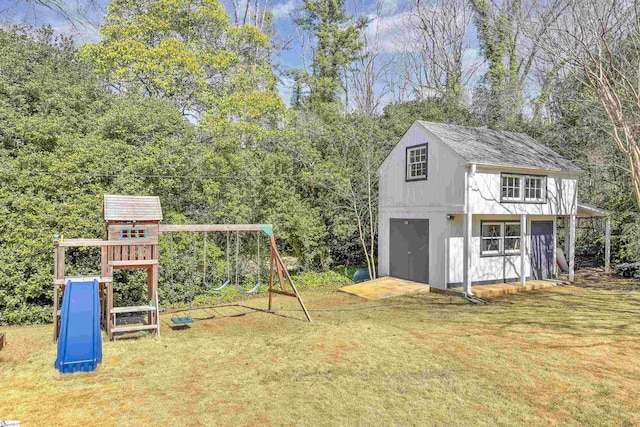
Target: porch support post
[
  {"x": 607, "y": 246},
  {"x": 466, "y": 263},
  {"x": 523, "y": 249},
  {"x": 572, "y": 246}
]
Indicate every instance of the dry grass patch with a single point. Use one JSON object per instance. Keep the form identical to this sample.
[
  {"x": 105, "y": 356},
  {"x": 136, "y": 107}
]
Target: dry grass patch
[{"x": 567, "y": 356}]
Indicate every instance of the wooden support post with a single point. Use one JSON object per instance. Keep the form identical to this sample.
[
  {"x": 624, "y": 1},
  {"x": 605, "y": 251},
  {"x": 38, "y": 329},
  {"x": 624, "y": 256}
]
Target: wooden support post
[
  {"x": 55, "y": 312},
  {"x": 282, "y": 269},
  {"x": 150, "y": 294},
  {"x": 271, "y": 261},
  {"x": 279, "y": 265},
  {"x": 607, "y": 246},
  {"x": 55, "y": 291},
  {"x": 156, "y": 302},
  {"x": 104, "y": 272},
  {"x": 58, "y": 275},
  {"x": 110, "y": 316}
]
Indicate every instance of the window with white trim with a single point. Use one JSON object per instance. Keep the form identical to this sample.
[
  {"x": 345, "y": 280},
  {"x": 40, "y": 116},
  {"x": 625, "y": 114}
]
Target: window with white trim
[
  {"x": 523, "y": 188},
  {"x": 534, "y": 187},
  {"x": 417, "y": 162},
  {"x": 500, "y": 238}
]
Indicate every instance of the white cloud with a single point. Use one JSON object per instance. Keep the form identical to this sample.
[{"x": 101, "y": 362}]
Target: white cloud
[
  {"x": 394, "y": 33},
  {"x": 283, "y": 10}
]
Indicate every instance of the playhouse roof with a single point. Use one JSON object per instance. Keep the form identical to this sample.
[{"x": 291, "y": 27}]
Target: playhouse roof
[
  {"x": 132, "y": 208},
  {"x": 498, "y": 148}
]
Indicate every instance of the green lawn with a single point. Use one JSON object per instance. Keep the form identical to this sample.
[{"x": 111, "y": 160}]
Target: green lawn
[{"x": 565, "y": 356}]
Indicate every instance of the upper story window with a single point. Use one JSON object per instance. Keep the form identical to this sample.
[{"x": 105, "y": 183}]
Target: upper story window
[
  {"x": 417, "y": 162},
  {"x": 510, "y": 187},
  {"x": 131, "y": 233},
  {"x": 534, "y": 187},
  {"x": 523, "y": 188}
]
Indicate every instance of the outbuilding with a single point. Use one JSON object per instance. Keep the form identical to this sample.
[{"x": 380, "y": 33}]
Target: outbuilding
[{"x": 462, "y": 206}]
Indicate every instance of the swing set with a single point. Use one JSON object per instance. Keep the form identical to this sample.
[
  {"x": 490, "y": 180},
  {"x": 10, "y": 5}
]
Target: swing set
[
  {"x": 276, "y": 267},
  {"x": 132, "y": 226},
  {"x": 230, "y": 279}
]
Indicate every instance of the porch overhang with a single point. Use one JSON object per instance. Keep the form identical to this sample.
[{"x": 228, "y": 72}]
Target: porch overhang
[{"x": 589, "y": 211}]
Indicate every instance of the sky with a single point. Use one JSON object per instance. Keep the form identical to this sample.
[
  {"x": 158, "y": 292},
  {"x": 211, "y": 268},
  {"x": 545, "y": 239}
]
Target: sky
[{"x": 83, "y": 22}]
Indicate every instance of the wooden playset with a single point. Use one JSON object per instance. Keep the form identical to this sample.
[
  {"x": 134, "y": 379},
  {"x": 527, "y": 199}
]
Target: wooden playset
[{"x": 132, "y": 225}]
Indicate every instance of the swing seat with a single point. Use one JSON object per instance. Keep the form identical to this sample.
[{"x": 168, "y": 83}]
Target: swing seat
[{"x": 182, "y": 320}]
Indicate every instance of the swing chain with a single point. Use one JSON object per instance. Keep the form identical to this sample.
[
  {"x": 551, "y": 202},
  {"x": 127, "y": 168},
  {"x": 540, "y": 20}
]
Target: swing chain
[{"x": 204, "y": 265}]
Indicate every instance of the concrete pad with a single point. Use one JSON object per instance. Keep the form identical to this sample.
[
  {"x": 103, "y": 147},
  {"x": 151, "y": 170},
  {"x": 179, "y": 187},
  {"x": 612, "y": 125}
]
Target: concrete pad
[{"x": 385, "y": 287}]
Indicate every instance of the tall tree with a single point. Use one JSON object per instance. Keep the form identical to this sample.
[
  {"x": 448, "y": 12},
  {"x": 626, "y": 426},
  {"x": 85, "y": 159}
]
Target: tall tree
[
  {"x": 187, "y": 51},
  {"x": 439, "y": 39},
  {"x": 365, "y": 81},
  {"x": 602, "y": 41},
  {"x": 336, "y": 46},
  {"x": 508, "y": 31}
]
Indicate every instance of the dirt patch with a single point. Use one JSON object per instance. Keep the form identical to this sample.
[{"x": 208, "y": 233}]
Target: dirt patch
[{"x": 596, "y": 278}]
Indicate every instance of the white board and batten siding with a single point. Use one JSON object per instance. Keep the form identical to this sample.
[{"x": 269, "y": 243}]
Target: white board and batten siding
[
  {"x": 485, "y": 268},
  {"x": 442, "y": 195},
  {"x": 485, "y": 185},
  {"x": 432, "y": 199}
]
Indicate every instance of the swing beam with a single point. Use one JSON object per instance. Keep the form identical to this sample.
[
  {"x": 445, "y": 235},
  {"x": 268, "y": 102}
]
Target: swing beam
[
  {"x": 166, "y": 228},
  {"x": 276, "y": 266}
]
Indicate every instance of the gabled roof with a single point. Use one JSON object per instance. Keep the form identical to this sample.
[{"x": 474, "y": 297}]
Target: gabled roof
[
  {"x": 498, "y": 148},
  {"x": 132, "y": 208}
]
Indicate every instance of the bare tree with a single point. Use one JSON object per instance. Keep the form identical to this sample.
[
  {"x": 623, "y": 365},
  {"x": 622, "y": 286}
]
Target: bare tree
[
  {"x": 253, "y": 12},
  {"x": 435, "y": 62},
  {"x": 365, "y": 84},
  {"x": 82, "y": 16},
  {"x": 601, "y": 40}
]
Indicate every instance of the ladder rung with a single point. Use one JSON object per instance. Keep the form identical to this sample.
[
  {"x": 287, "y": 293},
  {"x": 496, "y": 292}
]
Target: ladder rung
[
  {"x": 132, "y": 309},
  {"x": 134, "y": 263},
  {"x": 133, "y": 328}
]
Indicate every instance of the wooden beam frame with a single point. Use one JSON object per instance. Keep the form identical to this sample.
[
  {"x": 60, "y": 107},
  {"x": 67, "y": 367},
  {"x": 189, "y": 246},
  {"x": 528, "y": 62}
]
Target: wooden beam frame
[
  {"x": 109, "y": 249},
  {"x": 166, "y": 228},
  {"x": 284, "y": 279},
  {"x": 74, "y": 243},
  {"x": 275, "y": 261}
]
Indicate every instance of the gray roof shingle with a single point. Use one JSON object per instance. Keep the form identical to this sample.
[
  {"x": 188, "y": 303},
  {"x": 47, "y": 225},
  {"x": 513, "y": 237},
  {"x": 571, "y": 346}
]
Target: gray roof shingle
[{"x": 499, "y": 148}]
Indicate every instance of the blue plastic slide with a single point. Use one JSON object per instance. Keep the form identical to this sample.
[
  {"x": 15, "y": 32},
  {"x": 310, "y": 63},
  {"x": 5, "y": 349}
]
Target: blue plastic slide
[{"x": 79, "y": 342}]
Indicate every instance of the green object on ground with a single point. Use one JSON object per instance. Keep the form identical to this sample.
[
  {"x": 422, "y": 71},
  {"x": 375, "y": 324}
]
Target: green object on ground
[{"x": 181, "y": 320}]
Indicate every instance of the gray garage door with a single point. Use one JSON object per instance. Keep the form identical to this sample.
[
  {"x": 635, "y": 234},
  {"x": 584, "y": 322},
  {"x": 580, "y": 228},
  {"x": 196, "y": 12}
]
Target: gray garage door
[{"x": 409, "y": 249}]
